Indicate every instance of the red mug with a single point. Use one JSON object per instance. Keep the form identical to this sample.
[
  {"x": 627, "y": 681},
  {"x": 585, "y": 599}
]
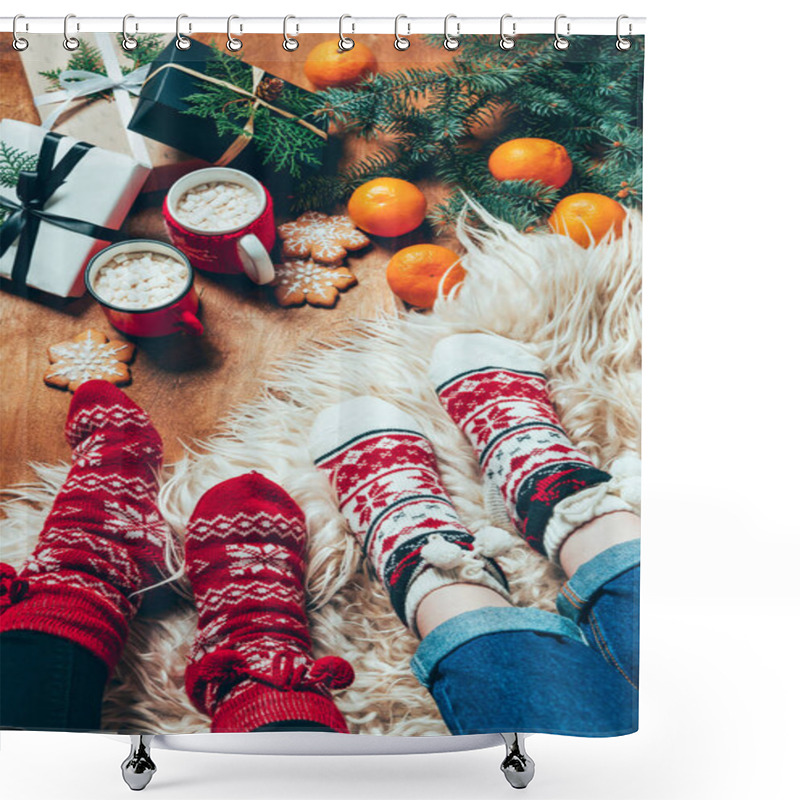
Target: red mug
[
  {"x": 177, "y": 314},
  {"x": 226, "y": 250}
]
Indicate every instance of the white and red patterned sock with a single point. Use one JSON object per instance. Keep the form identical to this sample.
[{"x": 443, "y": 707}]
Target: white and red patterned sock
[
  {"x": 496, "y": 392},
  {"x": 251, "y": 663},
  {"x": 383, "y": 470},
  {"x": 104, "y": 538}
]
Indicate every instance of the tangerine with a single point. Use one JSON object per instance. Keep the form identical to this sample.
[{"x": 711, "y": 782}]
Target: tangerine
[
  {"x": 327, "y": 65},
  {"x": 416, "y": 274},
  {"x": 587, "y": 217},
  {"x": 531, "y": 160},
  {"x": 387, "y": 207}
]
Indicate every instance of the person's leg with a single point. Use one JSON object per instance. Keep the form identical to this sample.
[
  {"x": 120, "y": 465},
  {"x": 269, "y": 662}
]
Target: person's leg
[
  {"x": 489, "y": 666},
  {"x": 383, "y": 470},
  {"x": 601, "y": 560},
  {"x": 492, "y": 667},
  {"x": 65, "y": 616},
  {"x": 49, "y": 683},
  {"x": 250, "y": 667},
  {"x": 564, "y": 506}
]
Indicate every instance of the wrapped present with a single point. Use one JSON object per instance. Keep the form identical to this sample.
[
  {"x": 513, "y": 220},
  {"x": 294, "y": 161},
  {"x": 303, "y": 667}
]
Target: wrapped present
[
  {"x": 230, "y": 113},
  {"x": 95, "y": 102},
  {"x": 60, "y": 202}
]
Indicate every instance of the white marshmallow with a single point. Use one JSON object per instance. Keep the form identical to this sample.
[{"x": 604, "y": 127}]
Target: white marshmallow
[
  {"x": 140, "y": 280},
  {"x": 217, "y": 206}
]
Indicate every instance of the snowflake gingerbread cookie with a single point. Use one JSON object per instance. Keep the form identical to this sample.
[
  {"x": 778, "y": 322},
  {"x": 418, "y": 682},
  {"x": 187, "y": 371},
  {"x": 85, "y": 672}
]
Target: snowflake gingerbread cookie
[
  {"x": 324, "y": 239},
  {"x": 89, "y": 356},
  {"x": 298, "y": 282}
]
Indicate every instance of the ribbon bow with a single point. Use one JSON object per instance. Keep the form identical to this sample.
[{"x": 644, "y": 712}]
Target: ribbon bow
[
  {"x": 12, "y": 587},
  {"x": 34, "y": 189},
  {"x": 77, "y": 83}
]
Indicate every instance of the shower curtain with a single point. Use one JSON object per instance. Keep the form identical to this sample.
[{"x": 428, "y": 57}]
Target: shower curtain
[{"x": 322, "y": 384}]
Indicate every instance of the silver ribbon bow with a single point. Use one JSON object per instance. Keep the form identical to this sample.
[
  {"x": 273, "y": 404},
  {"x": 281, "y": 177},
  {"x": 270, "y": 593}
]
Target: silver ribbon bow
[{"x": 77, "y": 83}]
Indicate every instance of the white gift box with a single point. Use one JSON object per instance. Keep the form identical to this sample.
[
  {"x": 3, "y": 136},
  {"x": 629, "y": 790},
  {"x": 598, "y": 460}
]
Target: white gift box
[
  {"x": 100, "y": 190},
  {"x": 104, "y": 122}
]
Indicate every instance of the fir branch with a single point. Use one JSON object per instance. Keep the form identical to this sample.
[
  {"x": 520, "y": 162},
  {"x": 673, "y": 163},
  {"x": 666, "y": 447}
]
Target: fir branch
[
  {"x": 327, "y": 191},
  {"x": 586, "y": 98}
]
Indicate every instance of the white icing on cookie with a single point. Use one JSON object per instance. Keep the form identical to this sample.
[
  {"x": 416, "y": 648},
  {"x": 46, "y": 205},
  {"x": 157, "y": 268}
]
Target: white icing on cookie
[
  {"x": 82, "y": 361},
  {"x": 325, "y": 239}
]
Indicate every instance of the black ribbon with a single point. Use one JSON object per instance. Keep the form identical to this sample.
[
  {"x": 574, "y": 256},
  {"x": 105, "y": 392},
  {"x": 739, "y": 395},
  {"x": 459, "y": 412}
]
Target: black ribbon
[{"x": 34, "y": 189}]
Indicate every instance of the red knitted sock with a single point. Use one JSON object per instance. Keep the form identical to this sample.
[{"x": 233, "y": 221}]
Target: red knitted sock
[
  {"x": 104, "y": 537},
  {"x": 251, "y": 661}
]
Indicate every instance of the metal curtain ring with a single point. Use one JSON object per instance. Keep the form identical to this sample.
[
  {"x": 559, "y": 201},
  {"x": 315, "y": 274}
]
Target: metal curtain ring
[
  {"x": 289, "y": 43},
  {"x": 70, "y": 42},
  {"x": 451, "y": 42},
  {"x": 560, "y": 43},
  {"x": 400, "y": 42},
  {"x": 128, "y": 41},
  {"x": 622, "y": 42},
  {"x": 19, "y": 43},
  {"x": 233, "y": 44},
  {"x": 507, "y": 41},
  {"x": 181, "y": 42},
  {"x": 345, "y": 43}
]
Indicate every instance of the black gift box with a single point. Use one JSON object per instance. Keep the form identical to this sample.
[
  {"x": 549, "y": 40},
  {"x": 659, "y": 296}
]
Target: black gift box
[{"x": 160, "y": 114}]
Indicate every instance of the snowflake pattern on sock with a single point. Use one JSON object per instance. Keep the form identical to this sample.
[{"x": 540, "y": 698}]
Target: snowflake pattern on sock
[
  {"x": 251, "y": 661},
  {"x": 104, "y": 539},
  {"x": 389, "y": 490},
  {"x": 496, "y": 392}
]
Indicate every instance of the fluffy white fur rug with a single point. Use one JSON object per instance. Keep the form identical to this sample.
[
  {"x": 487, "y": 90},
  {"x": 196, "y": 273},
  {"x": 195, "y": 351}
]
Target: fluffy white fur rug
[{"x": 579, "y": 310}]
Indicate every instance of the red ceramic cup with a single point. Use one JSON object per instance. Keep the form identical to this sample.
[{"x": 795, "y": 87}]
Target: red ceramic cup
[
  {"x": 230, "y": 251},
  {"x": 176, "y": 315}
]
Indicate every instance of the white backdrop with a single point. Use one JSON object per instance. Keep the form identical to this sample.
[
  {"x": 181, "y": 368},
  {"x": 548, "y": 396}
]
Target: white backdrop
[{"x": 721, "y": 538}]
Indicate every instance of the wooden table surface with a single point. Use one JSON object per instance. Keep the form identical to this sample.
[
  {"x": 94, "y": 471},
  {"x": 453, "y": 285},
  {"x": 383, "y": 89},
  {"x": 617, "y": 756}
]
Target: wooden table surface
[{"x": 186, "y": 384}]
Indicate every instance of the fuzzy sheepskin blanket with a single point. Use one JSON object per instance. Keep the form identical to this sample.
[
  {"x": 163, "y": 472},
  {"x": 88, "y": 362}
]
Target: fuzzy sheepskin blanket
[{"x": 578, "y": 310}]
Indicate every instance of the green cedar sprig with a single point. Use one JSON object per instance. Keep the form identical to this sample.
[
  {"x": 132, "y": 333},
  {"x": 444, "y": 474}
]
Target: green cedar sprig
[
  {"x": 12, "y": 162},
  {"x": 87, "y": 57},
  {"x": 281, "y": 142},
  {"x": 586, "y": 98}
]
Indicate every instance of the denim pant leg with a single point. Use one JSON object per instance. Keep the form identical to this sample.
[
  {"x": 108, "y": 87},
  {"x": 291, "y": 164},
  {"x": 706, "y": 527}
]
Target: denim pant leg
[
  {"x": 602, "y": 598},
  {"x": 501, "y": 670},
  {"x": 48, "y": 683}
]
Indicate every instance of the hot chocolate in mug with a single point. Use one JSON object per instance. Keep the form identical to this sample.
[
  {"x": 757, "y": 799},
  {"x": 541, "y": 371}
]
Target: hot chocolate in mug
[
  {"x": 146, "y": 288},
  {"x": 223, "y": 220}
]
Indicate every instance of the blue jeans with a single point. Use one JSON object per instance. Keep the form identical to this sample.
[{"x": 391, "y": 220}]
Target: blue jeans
[{"x": 530, "y": 671}]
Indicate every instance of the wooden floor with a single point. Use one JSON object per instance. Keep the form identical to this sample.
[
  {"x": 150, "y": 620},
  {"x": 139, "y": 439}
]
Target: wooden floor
[{"x": 186, "y": 384}]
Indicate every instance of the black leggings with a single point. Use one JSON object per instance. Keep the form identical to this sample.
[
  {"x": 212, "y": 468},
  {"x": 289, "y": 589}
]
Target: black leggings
[{"x": 48, "y": 683}]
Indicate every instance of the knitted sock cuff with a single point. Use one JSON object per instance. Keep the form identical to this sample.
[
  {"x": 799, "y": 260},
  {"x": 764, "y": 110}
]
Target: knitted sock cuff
[
  {"x": 83, "y": 617},
  {"x": 462, "y": 353},
  {"x": 338, "y": 426},
  {"x": 258, "y": 705},
  {"x": 582, "y": 507}
]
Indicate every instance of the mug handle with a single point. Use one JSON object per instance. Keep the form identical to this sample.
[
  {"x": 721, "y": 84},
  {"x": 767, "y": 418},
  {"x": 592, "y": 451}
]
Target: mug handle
[
  {"x": 190, "y": 324},
  {"x": 255, "y": 259}
]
